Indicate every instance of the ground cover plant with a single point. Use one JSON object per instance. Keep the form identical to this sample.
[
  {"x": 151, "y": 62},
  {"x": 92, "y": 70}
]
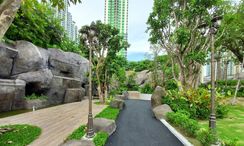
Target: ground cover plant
[
  {"x": 108, "y": 113},
  {"x": 100, "y": 138},
  {"x": 78, "y": 133},
  {"x": 20, "y": 135}
]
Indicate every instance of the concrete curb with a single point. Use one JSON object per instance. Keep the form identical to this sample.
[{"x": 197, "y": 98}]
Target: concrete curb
[{"x": 182, "y": 139}]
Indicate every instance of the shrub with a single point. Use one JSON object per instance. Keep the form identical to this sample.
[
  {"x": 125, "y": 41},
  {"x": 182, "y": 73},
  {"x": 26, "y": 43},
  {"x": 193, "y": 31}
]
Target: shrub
[
  {"x": 147, "y": 89},
  {"x": 196, "y": 102},
  {"x": 34, "y": 96},
  {"x": 100, "y": 139},
  {"x": 206, "y": 137},
  {"x": 171, "y": 84},
  {"x": 190, "y": 126}
]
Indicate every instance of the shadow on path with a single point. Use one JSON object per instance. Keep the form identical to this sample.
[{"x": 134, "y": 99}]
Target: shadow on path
[{"x": 136, "y": 126}]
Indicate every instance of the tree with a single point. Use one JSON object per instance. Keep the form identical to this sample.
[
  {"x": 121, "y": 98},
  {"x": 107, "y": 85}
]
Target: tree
[
  {"x": 9, "y": 8},
  {"x": 174, "y": 26},
  {"x": 105, "y": 42},
  {"x": 233, "y": 28}
]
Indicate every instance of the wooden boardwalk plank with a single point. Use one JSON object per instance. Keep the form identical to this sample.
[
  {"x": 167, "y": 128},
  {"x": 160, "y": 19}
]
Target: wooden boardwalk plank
[{"x": 56, "y": 122}]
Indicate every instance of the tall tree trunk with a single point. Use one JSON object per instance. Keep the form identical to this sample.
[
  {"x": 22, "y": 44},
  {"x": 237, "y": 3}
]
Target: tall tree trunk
[
  {"x": 219, "y": 70},
  {"x": 8, "y": 10},
  {"x": 238, "y": 85}
]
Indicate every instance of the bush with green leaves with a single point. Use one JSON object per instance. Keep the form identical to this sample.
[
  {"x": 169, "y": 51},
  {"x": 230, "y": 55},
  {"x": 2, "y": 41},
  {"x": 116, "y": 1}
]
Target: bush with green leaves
[
  {"x": 34, "y": 96},
  {"x": 36, "y": 22},
  {"x": 182, "y": 120},
  {"x": 206, "y": 137},
  {"x": 147, "y": 89},
  {"x": 195, "y": 101},
  {"x": 100, "y": 138}
]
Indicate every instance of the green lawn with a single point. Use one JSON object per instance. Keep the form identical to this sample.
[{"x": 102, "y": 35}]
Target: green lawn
[
  {"x": 100, "y": 138},
  {"x": 78, "y": 133},
  {"x": 108, "y": 113},
  {"x": 232, "y": 126},
  {"x": 21, "y": 135}
]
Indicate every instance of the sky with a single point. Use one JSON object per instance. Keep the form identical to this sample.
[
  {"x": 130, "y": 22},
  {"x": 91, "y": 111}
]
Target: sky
[{"x": 92, "y": 10}]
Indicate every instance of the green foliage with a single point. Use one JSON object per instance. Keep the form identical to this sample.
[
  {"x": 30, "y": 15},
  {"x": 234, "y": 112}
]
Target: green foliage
[
  {"x": 131, "y": 83},
  {"x": 138, "y": 66},
  {"x": 100, "y": 138},
  {"x": 182, "y": 120},
  {"x": 229, "y": 142},
  {"x": 171, "y": 84},
  {"x": 147, "y": 89},
  {"x": 60, "y": 3},
  {"x": 78, "y": 133},
  {"x": 21, "y": 135},
  {"x": 196, "y": 102},
  {"x": 36, "y": 22},
  {"x": 206, "y": 137},
  {"x": 108, "y": 113},
  {"x": 233, "y": 29},
  {"x": 109, "y": 99},
  {"x": 34, "y": 96}
]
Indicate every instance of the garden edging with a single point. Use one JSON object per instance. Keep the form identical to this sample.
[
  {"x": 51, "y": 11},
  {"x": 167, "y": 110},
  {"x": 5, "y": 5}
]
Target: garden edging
[{"x": 181, "y": 138}]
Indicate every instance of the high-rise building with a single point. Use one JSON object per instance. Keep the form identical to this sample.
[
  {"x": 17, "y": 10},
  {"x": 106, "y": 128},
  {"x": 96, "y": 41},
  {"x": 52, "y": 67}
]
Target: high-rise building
[
  {"x": 116, "y": 14},
  {"x": 67, "y": 22}
]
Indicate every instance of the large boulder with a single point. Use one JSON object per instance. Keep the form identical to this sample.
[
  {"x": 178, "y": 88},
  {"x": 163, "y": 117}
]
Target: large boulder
[
  {"x": 105, "y": 125},
  {"x": 161, "y": 111},
  {"x": 7, "y": 55},
  {"x": 28, "y": 59},
  {"x": 12, "y": 93},
  {"x": 117, "y": 103},
  {"x": 68, "y": 64},
  {"x": 58, "y": 86},
  {"x": 74, "y": 94},
  {"x": 44, "y": 77},
  {"x": 157, "y": 95},
  {"x": 141, "y": 77}
]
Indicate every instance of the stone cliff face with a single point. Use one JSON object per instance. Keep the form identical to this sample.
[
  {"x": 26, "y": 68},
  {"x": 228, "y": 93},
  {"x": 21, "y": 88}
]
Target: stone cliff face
[{"x": 26, "y": 69}]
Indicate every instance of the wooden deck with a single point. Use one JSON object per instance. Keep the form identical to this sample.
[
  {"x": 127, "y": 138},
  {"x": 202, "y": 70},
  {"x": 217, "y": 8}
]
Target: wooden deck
[{"x": 56, "y": 122}]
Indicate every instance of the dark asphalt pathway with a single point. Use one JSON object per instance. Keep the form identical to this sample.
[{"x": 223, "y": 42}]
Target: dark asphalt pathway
[{"x": 136, "y": 126}]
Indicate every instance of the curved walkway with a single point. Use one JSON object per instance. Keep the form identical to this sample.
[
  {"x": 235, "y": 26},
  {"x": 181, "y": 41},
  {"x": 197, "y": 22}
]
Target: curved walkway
[
  {"x": 136, "y": 126},
  {"x": 56, "y": 122}
]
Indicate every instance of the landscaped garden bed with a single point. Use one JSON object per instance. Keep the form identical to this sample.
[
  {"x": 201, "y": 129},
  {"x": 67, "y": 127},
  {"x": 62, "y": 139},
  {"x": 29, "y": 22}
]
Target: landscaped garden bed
[
  {"x": 100, "y": 138},
  {"x": 19, "y": 135}
]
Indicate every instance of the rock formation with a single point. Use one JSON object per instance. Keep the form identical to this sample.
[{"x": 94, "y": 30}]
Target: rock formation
[{"x": 26, "y": 69}]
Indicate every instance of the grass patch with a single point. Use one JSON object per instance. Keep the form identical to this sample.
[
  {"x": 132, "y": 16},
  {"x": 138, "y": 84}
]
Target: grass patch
[
  {"x": 21, "y": 135},
  {"x": 78, "y": 133},
  {"x": 230, "y": 127},
  {"x": 100, "y": 138},
  {"x": 108, "y": 113}
]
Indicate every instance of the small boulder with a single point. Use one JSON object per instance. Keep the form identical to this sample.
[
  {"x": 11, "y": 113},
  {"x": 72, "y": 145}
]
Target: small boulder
[
  {"x": 104, "y": 125},
  {"x": 117, "y": 103},
  {"x": 157, "y": 95},
  {"x": 161, "y": 111}
]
